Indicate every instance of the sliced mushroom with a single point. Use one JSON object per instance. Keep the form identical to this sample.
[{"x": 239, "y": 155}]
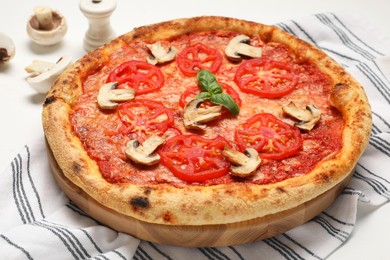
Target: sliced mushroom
[
  {"x": 239, "y": 46},
  {"x": 298, "y": 113},
  {"x": 244, "y": 164},
  {"x": 7, "y": 48},
  {"x": 143, "y": 154},
  {"x": 109, "y": 96},
  {"x": 195, "y": 116},
  {"x": 160, "y": 54},
  {"x": 43, "y": 74},
  {"x": 308, "y": 117},
  {"x": 38, "y": 66}
]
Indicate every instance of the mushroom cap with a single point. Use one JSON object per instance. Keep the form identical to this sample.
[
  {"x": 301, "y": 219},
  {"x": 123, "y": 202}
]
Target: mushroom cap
[
  {"x": 243, "y": 164},
  {"x": 316, "y": 116},
  {"x": 160, "y": 55},
  {"x": 143, "y": 154},
  {"x": 7, "y": 48},
  {"x": 109, "y": 96},
  {"x": 47, "y": 37},
  {"x": 308, "y": 117},
  {"x": 239, "y": 46},
  {"x": 195, "y": 116},
  {"x": 292, "y": 110}
]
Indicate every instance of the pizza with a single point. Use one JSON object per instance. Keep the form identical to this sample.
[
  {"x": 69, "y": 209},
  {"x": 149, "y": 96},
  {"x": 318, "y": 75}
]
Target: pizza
[{"x": 205, "y": 121}]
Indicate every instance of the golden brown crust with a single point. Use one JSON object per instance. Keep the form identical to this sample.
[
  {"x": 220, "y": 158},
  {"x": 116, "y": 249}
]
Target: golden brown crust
[{"x": 198, "y": 205}]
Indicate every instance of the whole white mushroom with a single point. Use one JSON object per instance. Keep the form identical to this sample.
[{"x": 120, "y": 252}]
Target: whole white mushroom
[{"x": 7, "y": 48}]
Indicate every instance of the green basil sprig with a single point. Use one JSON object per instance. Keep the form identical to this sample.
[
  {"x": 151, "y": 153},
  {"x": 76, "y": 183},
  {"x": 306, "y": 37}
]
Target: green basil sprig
[{"x": 213, "y": 92}]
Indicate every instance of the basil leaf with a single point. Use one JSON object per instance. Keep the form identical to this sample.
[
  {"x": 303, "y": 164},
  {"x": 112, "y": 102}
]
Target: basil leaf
[
  {"x": 208, "y": 82},
  {"x": 226, "y": 101},
  {"x": 215, "y": 88},
  {"x": 213, "y": 91},
  {"x": 204, "y": 95}
]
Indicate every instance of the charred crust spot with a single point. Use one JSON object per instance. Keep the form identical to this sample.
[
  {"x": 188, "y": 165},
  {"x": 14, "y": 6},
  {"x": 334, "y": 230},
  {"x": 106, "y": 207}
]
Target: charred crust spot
[
  {"x": 76, "y": 167},
  {"x": 147, "y": 191},
  {"x": 65, "y": 82},
  {"x": 266, "y": 37},
  {"x": 209, "y": 202},
  {"x": 137, "y": 34},
  {"x": 338, "y": 85},
  {"x": 229, "y": 192},
  {"x": 88, "y": 59},
  {"x": 280, "y": 190},
  {"x": 325, "y": 177},
  {"x": 49, "y": 100},
  {"x": 168, "y": 217},
  {"x": 140, "y": 202}
]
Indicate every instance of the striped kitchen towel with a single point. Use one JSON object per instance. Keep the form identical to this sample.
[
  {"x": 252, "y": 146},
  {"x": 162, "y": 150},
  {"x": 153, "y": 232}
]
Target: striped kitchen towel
[{"x": 39, "y": 222}]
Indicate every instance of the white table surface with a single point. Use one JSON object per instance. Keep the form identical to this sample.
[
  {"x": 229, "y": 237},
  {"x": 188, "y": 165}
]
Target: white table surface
[{"x": 20, "y": 105}]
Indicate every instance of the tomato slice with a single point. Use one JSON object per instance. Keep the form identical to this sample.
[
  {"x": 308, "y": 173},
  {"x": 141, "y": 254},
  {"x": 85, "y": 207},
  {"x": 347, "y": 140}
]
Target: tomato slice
[
  {"x": 142, "y": 118},
  {"x": 138, "y": 75},
  {"x": 271, "y": 137},
  {"x": 193, "y": 158},
  {"x": 192, "y": 91},
  {"x": 266, "y": 78},
  {"x": 199, "y": 56}
]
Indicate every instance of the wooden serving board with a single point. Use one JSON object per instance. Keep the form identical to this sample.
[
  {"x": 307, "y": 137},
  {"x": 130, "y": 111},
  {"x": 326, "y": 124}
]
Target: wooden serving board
[{"x": 198, "y": 236}]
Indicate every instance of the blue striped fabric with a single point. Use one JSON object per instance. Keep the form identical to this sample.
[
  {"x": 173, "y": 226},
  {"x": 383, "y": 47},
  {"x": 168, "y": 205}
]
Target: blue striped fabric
[{"x": 39, "y": 222}]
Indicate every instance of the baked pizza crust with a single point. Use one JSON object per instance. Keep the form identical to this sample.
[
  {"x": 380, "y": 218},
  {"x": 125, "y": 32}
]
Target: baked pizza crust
[{"x": 204, "y": 205}]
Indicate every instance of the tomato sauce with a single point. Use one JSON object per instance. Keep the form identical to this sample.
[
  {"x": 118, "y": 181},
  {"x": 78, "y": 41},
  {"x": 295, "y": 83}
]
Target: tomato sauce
[{"x": 104, "y": 133}]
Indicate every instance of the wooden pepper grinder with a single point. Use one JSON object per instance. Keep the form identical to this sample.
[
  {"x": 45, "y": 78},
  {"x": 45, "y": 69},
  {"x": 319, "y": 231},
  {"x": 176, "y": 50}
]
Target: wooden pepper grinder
[{"x": 98, "y": 13}]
